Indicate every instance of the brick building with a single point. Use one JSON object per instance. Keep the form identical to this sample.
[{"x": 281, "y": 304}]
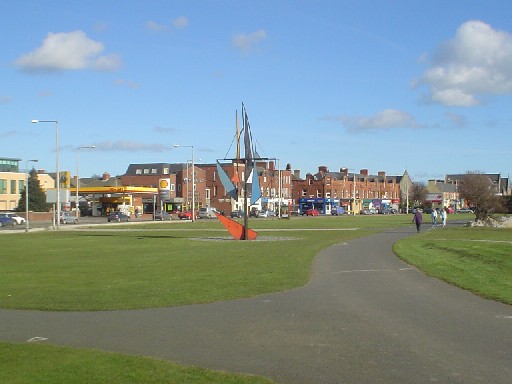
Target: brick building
[{"x": 354, "y": 192}]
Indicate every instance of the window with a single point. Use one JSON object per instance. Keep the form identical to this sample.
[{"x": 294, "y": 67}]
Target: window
[
  {"x": 153, "y": 171},
  {"x": 172, "y": 187},
  {"x": 328, "y": 195},
  {"x": 166, "y": 171},
  {"x": 21, "y": 185},
  {"x": 3, "y": 186},
  {"x": 304, "y": 192},
  {"x": 13, "y": 187},
  {"x": 146, "y": 171},
  {"x": 207, "y": 194},
  {"x": 328, "y": 181},
  {"x": 318, "y": 193},
  {"x": 138, "y": 171}
]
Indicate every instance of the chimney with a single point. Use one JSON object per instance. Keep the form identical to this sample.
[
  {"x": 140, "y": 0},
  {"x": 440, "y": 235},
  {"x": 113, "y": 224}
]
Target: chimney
[
  {"x": 344, "y": 171},
  {"x": 382, "y": 173},
  {"x": 323, "y": 169},
  {"x": 296, "y": 173},
  {"x": 106, "y": 176},
  {"x": 364, "y": 172}
]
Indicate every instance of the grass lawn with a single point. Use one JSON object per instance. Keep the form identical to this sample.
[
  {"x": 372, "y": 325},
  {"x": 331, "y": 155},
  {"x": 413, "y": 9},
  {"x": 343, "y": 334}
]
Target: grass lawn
[
  {"x": 476, "y": 259},
  {"x": 43, "y": 364},
  {"x": 164, "y": 264}
]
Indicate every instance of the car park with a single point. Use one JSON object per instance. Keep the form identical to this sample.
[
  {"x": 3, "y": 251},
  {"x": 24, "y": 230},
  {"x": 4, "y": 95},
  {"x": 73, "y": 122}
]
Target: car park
[
  {"x": 162, "y": 215},
  {"x": 237, "y": 214},
  {"x": 17, "y": 218},
  {"x": 7, "y": 222},
  {"x": 312, "y": 212},
  {"x": 185, "y": 215},
  {"x": 206, "y": 213},
  {"x": 267, "y": 213},
  {"x": 118, "y": 216},
  {"x": 68, "y": 218}
]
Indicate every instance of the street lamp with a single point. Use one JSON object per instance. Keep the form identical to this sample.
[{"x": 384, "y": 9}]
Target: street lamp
[
  {"x": 56, "y": 163},
  {"x": 26, "y": 193},
  {"x": 193, "y": 179},
  {"x": 77, "y": 176}
]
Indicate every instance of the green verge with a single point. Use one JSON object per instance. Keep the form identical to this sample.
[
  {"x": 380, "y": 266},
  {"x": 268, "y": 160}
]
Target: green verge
[
  {"x": 475, "y": 259},
  {"x": 43, "y": 364}
]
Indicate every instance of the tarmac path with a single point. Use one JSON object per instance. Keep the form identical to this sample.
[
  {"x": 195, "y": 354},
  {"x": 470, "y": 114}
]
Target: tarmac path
[{"x": 364, "y": 317}]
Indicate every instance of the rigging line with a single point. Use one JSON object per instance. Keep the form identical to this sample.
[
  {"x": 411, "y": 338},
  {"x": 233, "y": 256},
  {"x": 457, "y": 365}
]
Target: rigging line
[{"x": 226, "y": 155}]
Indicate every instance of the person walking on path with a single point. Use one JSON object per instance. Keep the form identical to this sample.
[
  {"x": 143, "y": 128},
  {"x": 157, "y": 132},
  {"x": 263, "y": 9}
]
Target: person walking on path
[
  {"x": 443, "y": 217},
  {"x": 417, "y": 218},
  {"x": 433, "y": 216}
]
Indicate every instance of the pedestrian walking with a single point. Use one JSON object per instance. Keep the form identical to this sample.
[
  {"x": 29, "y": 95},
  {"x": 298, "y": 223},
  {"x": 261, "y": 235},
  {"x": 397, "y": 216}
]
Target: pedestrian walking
[
  {"x": 433, "y": 216},
  {"x": 417, "y": 218},
  {"x": 443, "y": 217}
]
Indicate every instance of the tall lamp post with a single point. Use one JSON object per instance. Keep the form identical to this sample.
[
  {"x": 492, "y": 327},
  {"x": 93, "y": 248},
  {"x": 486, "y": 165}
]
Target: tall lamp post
[
  {"x": 26, "y": 193},
  {"x": 77, "y": 175},
  {"x": 57, "y": 177},
  {"x": 193, "y": 179}
]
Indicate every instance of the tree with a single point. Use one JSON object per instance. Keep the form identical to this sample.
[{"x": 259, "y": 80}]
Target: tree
[
  {"x": 478, "y": 190},
  {"x": 36, "y": 196},
  {"x": 418, "y": 193}
]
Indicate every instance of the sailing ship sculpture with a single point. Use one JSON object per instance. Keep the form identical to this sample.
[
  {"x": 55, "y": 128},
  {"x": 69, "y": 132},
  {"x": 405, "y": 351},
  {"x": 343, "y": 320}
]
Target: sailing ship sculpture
[{"x": 234, "y": 186}]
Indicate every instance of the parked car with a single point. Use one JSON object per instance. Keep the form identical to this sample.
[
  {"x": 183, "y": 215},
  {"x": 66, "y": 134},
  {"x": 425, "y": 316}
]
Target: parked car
[
  {"x": 312, "y": 212},
  {"x": 17, "y": 218},
  {"x": 237, "y": 214},
  {"x": 206, "y": 213},
  {"x": 7, "y": 222},
  {"x": 185, "y": 215},
  {"x": 162, "y": 215},
  {"x": 465, "y": 210},
  {"x": 68, "y": 218},
  {"x": 118, "y": 216},
  {"x": 336, "y": 211},
  {"x": 266, "y": 213}
]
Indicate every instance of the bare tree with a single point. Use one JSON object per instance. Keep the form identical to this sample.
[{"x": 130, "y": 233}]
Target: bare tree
[
  {"x": 478, "y": 190},
  {"x": 418, "y": 194}
]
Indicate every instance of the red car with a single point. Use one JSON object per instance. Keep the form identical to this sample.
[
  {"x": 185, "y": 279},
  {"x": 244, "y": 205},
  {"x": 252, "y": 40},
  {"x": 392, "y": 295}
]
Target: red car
[
  {"x": 187, "y": 215},
  {"x": 312, "y": 212}
]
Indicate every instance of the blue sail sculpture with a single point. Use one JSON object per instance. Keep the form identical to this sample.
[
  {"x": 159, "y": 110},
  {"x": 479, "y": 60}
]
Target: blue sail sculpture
[{"x": 231, "y": 188}]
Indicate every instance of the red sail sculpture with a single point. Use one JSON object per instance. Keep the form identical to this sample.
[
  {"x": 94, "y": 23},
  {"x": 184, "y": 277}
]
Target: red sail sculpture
[{"x": 236, "y": 229}]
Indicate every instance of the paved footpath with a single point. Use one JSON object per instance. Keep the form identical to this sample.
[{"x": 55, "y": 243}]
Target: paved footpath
[{"x": 365, "y": 317}]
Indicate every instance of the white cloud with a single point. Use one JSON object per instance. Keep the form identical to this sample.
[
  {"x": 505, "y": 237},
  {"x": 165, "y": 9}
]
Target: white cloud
[
  {"x": 5, "y": 99},
  {"x": 130, "y": 146},
  {"x": 387, "y": 119},
  {"x": 155, "y": 27},
  {"x": 475, "y": 63},
  {"x": 180, "y": 22},
  {"x": 245, "y": 43},
  {"x": 68, "y": 51},
  {"x": 127, "y": 83},
  {"x": 458, "y": 120}
]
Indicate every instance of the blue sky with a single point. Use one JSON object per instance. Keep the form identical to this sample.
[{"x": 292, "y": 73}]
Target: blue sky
[{"x": 382, "y": 85}]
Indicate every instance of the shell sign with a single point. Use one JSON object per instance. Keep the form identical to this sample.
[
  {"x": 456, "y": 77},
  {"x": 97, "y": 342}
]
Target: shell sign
[
  {"x": 165, "y": 184},
  {"x": 164, "y": 189}
]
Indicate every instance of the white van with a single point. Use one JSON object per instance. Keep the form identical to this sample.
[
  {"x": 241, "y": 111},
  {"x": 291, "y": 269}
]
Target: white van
[{"x": 206, "y": 213}]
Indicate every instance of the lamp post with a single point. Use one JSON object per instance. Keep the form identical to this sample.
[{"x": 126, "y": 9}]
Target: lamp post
[
  {"x": 77, "y": 175},
  {"x": 26, "y": 193},
  {"x": 56, "y": 163},
  {"x": 193, "y": 179}
]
